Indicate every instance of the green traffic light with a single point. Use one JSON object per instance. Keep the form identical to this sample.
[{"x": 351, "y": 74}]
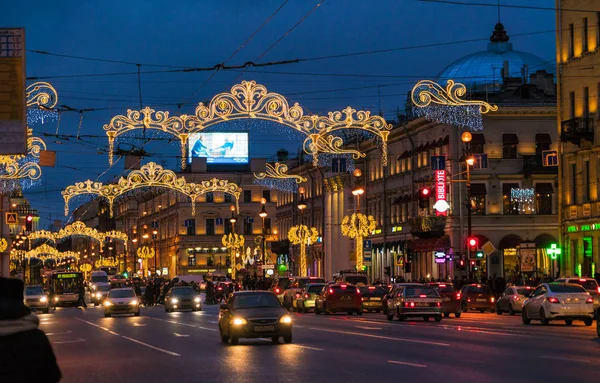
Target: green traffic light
[{"x": 479, "y": 254}]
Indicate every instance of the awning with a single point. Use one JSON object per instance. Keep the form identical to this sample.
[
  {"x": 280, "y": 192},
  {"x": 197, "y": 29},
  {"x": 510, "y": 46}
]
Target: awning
[
  {"x": 433, "y": 144},
  {"x": 510, "y": 241},
  {"x": 398, "y": 200},
  {"x": 440, "y": 142},
  {"x": 543, "y": 138},
  {"x": 426, "y": 146},
  {"x": 478, "y": 139},
  {"x": 506, "y": 188},
  {"x": 544, "y": 188},
  {"x": 478, "y": 189},
  {"x": 510, "y": 139}
]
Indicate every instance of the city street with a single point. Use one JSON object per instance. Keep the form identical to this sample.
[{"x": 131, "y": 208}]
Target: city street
[{"x": 185, "y": 347}]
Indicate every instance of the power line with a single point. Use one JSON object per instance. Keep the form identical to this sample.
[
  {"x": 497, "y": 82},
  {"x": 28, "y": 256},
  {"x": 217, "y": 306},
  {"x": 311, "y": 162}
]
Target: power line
[
  {"x": 553, "y": 9},
  {"x": 104, "y": 60}
]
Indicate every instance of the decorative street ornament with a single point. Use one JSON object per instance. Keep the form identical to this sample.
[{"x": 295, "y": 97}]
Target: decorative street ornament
[
  {"x": 145, "y": 252},
  {"x": 233, "y": 242},
  {"x": 14, "y": 169},
  {"x": 445, "y": 105},
  {"x": 41, "y": 94},
  {"x": 78, "y": 228},
  {"x": 151, "y": 175},
  {"x": 524, "y": 198},
  {"x": 304, "y": 236},
  {"x": 106, "y": 263},
  {"x": 3, "y": 245},
  {"x": 250, "y": 100},
  {"x": 358, "y": 227},
  {"x": 276, "y": 177},
  {"x": 86, "y": 268}
]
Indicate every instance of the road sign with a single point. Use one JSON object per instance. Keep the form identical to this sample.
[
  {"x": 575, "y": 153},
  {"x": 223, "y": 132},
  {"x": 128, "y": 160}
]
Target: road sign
[
  {"x": 367, "y": 258},
  {"x": 367, "y": 244},
  {"x": 481, "y": 161},
  {"x": 438, "y": 162},
  {"x": 399, "y": 259},
  {"x": 11, "y": 218},
  {"x": 549, "y": 158}
]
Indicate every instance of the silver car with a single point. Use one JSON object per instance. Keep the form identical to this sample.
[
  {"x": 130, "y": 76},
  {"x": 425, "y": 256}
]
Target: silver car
[
  {"x": 36, "y": 298},
  {"x": 121, "y": 301},
  {"x": 589, "y": 284},
  {"x": 512, "y": 299}
]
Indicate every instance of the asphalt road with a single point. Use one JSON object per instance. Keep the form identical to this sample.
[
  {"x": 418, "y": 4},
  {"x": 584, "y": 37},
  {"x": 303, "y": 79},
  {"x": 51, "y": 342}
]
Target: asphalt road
[{"x": 185, "y": 347}]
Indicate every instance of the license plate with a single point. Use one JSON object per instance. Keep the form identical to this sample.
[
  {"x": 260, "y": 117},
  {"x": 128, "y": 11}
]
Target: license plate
[
  {"x": 421, "y": 304},
  {"x": 446, "y": 299},
  {"x": 264, "y": 328},
  {"x": 376, "y": 299},
  {"x": 480, "y": 300},
  {"x": 346, "y": 298}
]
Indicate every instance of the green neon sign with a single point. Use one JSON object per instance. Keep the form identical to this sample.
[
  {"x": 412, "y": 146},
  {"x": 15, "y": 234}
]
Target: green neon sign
[
  {"x": 554, "y": 251},
  {"x": 587, "y": 246}
]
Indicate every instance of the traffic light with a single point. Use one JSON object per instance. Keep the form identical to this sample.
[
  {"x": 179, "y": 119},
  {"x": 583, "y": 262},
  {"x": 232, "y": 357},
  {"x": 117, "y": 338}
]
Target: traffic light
[
  {"x": 479, "y": 254},
  {"x": 29, "y": 223},
  {"x": 461, "y": 264},
  {"x": 472, "y": 263},
  {"x": 473, "y": 244},
  {"x": 424, "y": 194}
]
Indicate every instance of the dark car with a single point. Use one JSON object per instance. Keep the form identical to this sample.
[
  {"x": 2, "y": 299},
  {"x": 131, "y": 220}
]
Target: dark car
[
  {"x": 254, "y": 314},
  {"x": 339, "y": 298},
  {"x": 372, "y": 298},
  {"x": 477, "y": 297},
  {"x": 280, "y": 285},
  {"x": 415, "y": 300},
  {"x": 451, "y": 298},
  {"x": 182, "y": 298}
]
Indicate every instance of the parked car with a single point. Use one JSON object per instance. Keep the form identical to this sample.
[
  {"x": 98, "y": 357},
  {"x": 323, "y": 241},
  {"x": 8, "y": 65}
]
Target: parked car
[
  {"x": 589, "y": 284},
  {"x": 451, "y": 298},
  {"x": 291, "y": 294},
  {"x": 307, "y": 298},
  {"x": 372, "y": 298},
  {"x": 512, "y": 299},
  {"x": 36, "y": 298},
  {"x": 415, "y": 300},
  {"x": 339, "y": 298},
  {"x": 477, "y": 297},
  {"x": 559, "y": 301}
]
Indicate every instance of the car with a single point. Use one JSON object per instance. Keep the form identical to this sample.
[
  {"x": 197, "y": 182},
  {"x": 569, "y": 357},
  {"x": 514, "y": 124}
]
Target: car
[
  {"x": 99, "y": 294},
  {"x": 451, "y": 298},
  {"x": 559, "y": 301},
  {"x": 352, "y": 278},
  {"x": 372, "y": 298},
  {"x": 36, "y": 298},
  {"x": 254, "y": 314},
  {"x": 121, "y": 301},
  {"x": 182, "y": 298},
  {"x": 294, "y": 291},
  {"x": 306, "y": 301},
  {"x": 512, "y": 299},
  {"x": 477, "y": 297},
  {"x": 413, "y": 300},
  {"x": 589, "y": 284},
  {"x": 339, "y": 297},
  {"x": 279, "y": 286},
  {"x": 392, "y": 290}
]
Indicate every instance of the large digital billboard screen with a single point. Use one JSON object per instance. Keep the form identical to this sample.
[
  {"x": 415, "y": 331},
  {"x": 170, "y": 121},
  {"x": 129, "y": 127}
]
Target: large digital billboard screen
[{"x": 219, "y": 148}]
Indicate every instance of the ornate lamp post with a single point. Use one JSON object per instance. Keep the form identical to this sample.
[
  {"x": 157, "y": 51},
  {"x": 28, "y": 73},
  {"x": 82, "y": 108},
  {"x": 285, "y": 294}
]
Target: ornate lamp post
[
  {"x": 233, "y": 242},
  {"x": 145, "y": 236},
  {"x": 303, "y": 235},
  {"x": 263, "y": 214}
]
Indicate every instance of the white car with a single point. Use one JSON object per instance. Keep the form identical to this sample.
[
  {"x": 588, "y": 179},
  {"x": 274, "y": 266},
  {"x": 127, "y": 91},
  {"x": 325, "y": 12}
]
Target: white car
[
  {"x": 121, "y": 301},
  {"x": 36, "y": 298},
  {"x": 559, "y": 301}
]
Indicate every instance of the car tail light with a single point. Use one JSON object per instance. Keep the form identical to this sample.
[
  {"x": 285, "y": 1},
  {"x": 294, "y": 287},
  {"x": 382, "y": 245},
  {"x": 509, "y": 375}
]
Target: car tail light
[
  {"x": 371, "y": 287},
  {"x": 516, "y": 298},
  {"x": 362, "y": 299},
  {"x": 343, "y": 286},
  {"x": 306, "y": 295},
  {"x": 409, "y": 304},
  {"x": 277, "y": 291},
  {"x": 457, "y": 295},
  {"x": 581, "y": 279},
  {"x": 598, "y": 289},
  {"x": 422, "y": 296},
  {"x": 219, "y": 288},
  {"x": 492, "y": 299},
  {"x": 590, "y": 300},
  {"x": 357, "y": 290},
  {"x": 439, "y": 304},
  {"x": 298, "y": 295},
  {"x": 442, "y": 285},
  {"x": 330, "y": 291},
  {"x": 553, "y": 300},
  {"x": 468, "y": 299}
]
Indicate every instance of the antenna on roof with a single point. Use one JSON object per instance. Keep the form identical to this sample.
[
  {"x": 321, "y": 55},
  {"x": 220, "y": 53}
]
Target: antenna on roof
[{"x": 498, "y": 11}]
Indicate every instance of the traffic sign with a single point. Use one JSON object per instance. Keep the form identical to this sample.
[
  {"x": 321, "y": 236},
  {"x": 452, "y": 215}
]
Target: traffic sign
[
  {"x": 549, "y": 158},
  {"x": 11, "y": 218},
  {"x": 438, "y": 162},
  {"x": 481, "y": 161},
  {"x": 367, "y": 258},
  {"x": 367, "y": 244}
]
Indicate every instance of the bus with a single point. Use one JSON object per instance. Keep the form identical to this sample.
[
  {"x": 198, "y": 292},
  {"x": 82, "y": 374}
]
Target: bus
[
  {"x": 109, "y": 270},
  {"x": 65, "y": 285}
]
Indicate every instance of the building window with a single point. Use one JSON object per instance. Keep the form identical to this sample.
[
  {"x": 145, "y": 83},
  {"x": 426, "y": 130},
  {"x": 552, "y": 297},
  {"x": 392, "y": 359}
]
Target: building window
[
  {"x": 247, "y": 195},
  {"x": 210, "y": 197},
  {"x": 477, "y": 192},
  {"x": 478, "y": 143},
  {"x": 573, "y": 184},
  {"x": 267, "y": 195},
  {"x": 210, "y": 226},
  {"x": 509, "y": 207},
  {"x": 228, "y": 227},
  {"x": 191, "y": 226},
  {"x": 228, "y": 198},
  {"x": 509, "y": 146},
  {"x": 571, "y": 40},
  {"x": 586, "y": 102},
  {"x": 543, "y": 198},
  {"x": 586, "y": 181},
  {"x": 542, "y": 142},
  {"x": 191, "y": 259},
  {"x": 572, "y": 105},
  {"x": 338, "y": 165},
  {"x": 585, "y": 35},
  {"x": 248, "y": 222}
]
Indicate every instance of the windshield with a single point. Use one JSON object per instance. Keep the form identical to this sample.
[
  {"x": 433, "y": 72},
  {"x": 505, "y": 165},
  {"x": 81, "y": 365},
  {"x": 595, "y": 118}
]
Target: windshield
[
  {"x": 283, "y": 283},
  {"x": 356, "y": 279},
  {"x": 304, "y": 282},
  {"x": 523, "y": 291},
  {"x": 103, "y": 288},
  {"x": 372, "y": 291},
  {"x": 182, "y": 291},
  {"x": 445, "y": 288},
  {"x": 121, "y": 294},
  {"x": 417, "y": 291},
  {"x": 34, "y": 290},
  {"x": 479, "y": 289},
  {"x": 99, "y": 279},
  {"x": 248, "y": 301},
  {"x": 556, "y": 288},
  {"x": 588, "y": 284},
  {"x": 315, "y": 288},
  {"x": 344, "y": 289}
]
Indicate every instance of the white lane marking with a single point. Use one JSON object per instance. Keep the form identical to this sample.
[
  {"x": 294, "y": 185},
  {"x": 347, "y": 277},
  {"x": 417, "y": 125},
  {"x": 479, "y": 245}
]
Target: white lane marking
[
  {"x": 100, "y": 327},
  {"x": 309, "y": 348},
  {"x": 78, "y": 340},
  {"x": 565, "y": 359},
  {"x": 151, "y": 346},
  {"x": 212, "y": 321},
  {"x": 184, "y": 324},
  {"x": 139, "y": 324},
  {"x": 180, "y": 335},
  {"x": 368, "y": 328},
  {"x": 58, "y": 333},
  {"x": 407, "y": 363},
  {"x": 384, "y": 337}
]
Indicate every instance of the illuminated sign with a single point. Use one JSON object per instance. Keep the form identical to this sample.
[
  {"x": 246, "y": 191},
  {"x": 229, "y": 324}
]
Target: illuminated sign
[
  {"x": 396, "y": 229},
  {"x": 219, "y": 148},
  {"x": 440, "y": 256},
  {"x": 510, "y": 252},
  {"x": 586, "y": 227},
  {"x": 553, "y": 251},
  {"x": 376, "y": 231},
  {"x": 67, "y": 276},
  {"x": 441, "y": 206}
]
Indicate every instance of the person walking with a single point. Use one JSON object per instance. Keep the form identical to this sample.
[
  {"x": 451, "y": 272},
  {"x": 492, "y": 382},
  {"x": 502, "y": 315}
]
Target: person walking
[
  {"x": 81, "y": 299},
  {"x": 25, "y": 352},
  {"x": 149, "y": 294}
]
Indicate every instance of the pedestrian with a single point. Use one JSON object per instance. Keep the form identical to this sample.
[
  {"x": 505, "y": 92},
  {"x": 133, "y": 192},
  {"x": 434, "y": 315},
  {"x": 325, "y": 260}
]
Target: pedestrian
[
  {"x": 149, "y": 294},
  {"x": 81, "y": 298},
  {"x": 25, "y": 352}
]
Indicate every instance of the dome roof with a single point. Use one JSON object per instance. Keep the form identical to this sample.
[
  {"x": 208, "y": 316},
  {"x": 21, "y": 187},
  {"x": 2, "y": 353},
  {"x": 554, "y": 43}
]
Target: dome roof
[{"x": 482, "y": 69}]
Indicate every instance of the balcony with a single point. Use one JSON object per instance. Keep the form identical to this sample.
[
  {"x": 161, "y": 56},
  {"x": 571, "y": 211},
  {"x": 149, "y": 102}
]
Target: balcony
[
  {"x": 575, "y": 129},
  {"x": 427, "y": 227}
]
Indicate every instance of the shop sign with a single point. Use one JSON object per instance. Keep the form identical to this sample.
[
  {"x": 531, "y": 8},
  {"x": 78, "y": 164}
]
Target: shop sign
[
  {"x": 586, "y": 227},
  {"x": 440, "y": 257},
  {"x": 396, "y": 229},
  {"x": 441, "y": 205}
]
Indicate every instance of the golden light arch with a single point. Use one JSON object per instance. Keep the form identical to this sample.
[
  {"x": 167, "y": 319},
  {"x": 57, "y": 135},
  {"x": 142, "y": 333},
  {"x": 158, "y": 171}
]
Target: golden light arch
[{"x": 249, "y": 100}]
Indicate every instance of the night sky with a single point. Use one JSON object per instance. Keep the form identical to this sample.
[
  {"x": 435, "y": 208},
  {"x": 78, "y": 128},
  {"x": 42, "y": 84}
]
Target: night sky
[{"x": 167, "y": 35}]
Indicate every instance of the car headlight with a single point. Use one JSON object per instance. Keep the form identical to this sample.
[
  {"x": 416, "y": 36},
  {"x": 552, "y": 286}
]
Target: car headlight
[
  {"x": 44, "y": 299},
  {"x": 98, "y": 295},
  {"x": 55, "y": 299},
  {"x": 197, "y": 299},
  {"x": 174, "y": 300},
  {"x": 93, "y": 287},
  {"x": 134, "y": 302},
  {"x": 285, "y": 319},
  {"x": 238, "y": 321},
  {"x": 107, "y": 303}
]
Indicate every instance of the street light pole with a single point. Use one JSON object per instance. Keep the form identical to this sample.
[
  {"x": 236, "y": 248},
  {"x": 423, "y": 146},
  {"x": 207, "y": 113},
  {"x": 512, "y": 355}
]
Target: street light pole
[
  {"x": 263, "y": 214},
  {"x": 154, "y": 238},
  {"x": 469, "y": 161}
]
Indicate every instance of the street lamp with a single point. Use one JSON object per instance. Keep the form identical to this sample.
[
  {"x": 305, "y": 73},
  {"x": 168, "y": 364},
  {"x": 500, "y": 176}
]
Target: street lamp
[
  {"x": 469, "y": 161},
  {"x": 263, "y": 214},
  {"x": 154, "y": 238},
  {"x": 134, "y": 240}
]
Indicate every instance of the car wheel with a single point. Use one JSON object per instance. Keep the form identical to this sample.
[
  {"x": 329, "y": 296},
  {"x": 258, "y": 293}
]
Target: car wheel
[
  {"x": 464, "y": 307},
  {"x": 568, "y": 322},
  {"x": 511, "y": 310},
  {"x": 224, "y": 339},
  {"x": 457, "y": 314},
  {"x": 106, "y": 315},
  {"x": 525, "y": 317},
  {"x": 95, "y": 304},
  {"x": 136, "y": 314},
  {"x": 482, "y": 311},
  {"x": 426, "y": 318},
  {"x": 287, "y": 339},
  {"x": 359, "y": 312},
  {"x": 446, "y": 315},
  {"x": 543, "y": 320},
  {"x": 438, "y": 318},
  {"x": 317, "y": 311},
  {"x": 234, "y": 341},
  {"x": 588, "y": 321},
  {"x": 400, "y": 318},
  {"x": 275, "y": 339},
  {"x": 498, "y": 311},
  {"x": 389, "y": 317},
  {"x": 327, "y": 312},
  {"x": 385, "y": 311}
]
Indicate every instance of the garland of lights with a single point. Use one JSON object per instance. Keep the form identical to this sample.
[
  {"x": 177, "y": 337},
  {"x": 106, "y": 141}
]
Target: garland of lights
[
  {"x": 151, "y": 175},
  {"x": 326, "y": 160},
  {"x": 358, "y": 226},
  {"x": 303, "y": 235},
  {"x": 524, "y": 197},
  {"x": 451, "y": 108},
  {"x": 78, "y": 228},
  {"x": 276, "y": 177},
  {"x": 233, "y": 241},
  {"x": 106, "y": 263},
  {"x": 45, "y": 252},
  {"x": 3, "y": 245},
  {"x": 250, "y": 100}
]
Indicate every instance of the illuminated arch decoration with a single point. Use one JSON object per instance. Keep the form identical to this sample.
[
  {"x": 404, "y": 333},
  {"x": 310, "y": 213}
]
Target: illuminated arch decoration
[
  {"x": 276, "y": 177},
  {"x": 42, "y": 234},
  {"x": 118, "y": 235},
  {"x": 249, "y": 100},
  {"x": 446, "y": 105},
  {"x": 106, "y": 263},
  {"x": 17, "y": 255},
  {"x": 16, "y": 169},
  {"x": 151, "y": 175},
  {"x": 42, "y": 95},
  {"x": 43, "y": 252},
  {"x": 79, "y": 228}
]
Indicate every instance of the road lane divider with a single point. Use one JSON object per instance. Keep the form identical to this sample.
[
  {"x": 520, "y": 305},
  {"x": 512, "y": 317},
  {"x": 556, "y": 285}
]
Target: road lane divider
[
  {"x": 565, "y": 359},
  {"x": 98, "y": 326},
  {"x": 383, "y": 337},
  {"x": 184, "y": 324},
  {"x": 369, "y": 328},
  {"x": 59, "y": 333},
  {"x": 78, "y": 340},
  {"x": 407, "y": 363},
  {"x": 308, "y": 347}
]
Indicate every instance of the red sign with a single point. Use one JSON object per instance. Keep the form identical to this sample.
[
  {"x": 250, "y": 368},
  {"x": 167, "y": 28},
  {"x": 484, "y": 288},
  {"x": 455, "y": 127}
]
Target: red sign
[{"x": 441, "y": 206}]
